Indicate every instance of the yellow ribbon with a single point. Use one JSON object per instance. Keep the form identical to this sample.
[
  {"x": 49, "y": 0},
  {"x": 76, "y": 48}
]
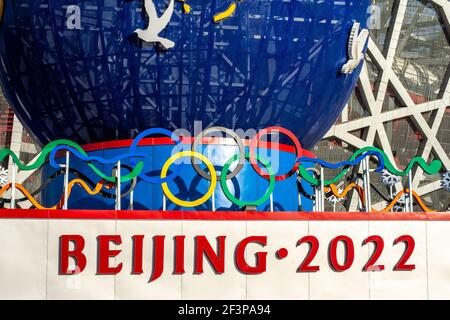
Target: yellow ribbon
[
  {"x": 59, "y": 205},
  {"x": 336, "y": 193},
  {"x": 186, "y": 7},
  {"x": 225, "y": 14}
]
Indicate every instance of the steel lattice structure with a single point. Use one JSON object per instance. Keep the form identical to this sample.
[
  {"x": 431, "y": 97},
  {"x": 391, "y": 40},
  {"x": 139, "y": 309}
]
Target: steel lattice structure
[{"x": 427, "y": 115}]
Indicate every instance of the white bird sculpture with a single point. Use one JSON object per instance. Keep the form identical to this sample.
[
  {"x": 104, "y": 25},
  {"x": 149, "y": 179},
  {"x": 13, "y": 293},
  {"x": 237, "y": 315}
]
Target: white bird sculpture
[
  {"x": 355, "y": 49},
  {"x": 156, "y": 25}
]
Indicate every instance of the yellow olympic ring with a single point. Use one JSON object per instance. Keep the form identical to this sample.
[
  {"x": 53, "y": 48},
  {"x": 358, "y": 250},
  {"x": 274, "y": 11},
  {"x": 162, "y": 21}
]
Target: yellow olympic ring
[{"x": 208, "y": 164}]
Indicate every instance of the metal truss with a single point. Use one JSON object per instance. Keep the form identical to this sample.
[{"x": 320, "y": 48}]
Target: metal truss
[{"x": 373, "y": 125}]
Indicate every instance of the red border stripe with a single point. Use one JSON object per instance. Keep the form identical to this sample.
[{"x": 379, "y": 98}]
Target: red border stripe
[
  {"x": 219, "y": 215},
  {"x": 83, "y": 214},
  {"x": 168, "y": 141}
]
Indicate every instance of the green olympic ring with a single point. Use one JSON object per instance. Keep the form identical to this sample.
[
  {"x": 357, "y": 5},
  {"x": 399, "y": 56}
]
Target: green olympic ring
[{"x": 232, "y": 198}]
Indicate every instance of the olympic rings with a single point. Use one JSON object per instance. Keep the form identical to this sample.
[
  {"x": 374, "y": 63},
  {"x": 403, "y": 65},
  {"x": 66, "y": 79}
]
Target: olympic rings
[
  {"x": 290, "y": 135},
  {"x": 135, "y": 143},
  {"x": 241, "y": 203},
  {"x": 240, "y": 144},
  {"x": 208, "y": 164}
]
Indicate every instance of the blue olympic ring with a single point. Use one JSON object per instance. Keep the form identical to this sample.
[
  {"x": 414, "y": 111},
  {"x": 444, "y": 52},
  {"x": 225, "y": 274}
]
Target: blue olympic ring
[{"x": 144, "y": 134}]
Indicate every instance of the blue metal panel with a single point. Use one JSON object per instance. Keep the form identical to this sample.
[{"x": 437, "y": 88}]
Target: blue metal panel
[
  {"x": 187, "y": 185},
  {"x": 274, "y": 62}
]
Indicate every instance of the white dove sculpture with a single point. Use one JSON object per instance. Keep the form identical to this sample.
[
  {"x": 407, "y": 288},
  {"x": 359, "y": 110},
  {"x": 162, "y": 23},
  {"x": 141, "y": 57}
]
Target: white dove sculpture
[
  {"x": 156, "y": 25},
  {"x": 356, "y": 45}
]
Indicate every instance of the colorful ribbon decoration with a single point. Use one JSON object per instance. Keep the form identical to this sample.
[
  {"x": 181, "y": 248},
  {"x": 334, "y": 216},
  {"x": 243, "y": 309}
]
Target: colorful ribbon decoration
[
  {"x": 186, "y": 7},
  {"x": 86, "y": 158},
  {"x": 62, "y": 142},
  {"x": 431, "y": 169},
  {"x": 397, "y": 197},
  {"x": 347, "y": 189},
  {"x": 355, "y": 162},
  {"x": 54, "y": 148},
  {"x": 135, "y": 144},
  {"x": 100, "y": 185},
  {"x": 72, "y": 183},
  {"x": 226, "y": 13}
]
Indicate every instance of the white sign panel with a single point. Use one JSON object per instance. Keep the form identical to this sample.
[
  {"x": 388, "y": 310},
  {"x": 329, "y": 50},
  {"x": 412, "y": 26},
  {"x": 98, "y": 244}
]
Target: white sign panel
[{"x": 223, "y": 255}]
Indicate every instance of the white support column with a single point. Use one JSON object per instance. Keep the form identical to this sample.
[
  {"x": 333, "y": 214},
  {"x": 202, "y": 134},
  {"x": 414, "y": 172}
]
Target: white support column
[
  {"x": 391, "y": 196},
  {"x": 15, "y": 146},
  {"x": 131, "y": 200},
  {"x": 360, "y": 206},
  {"x": 322, "y": 187},
  {"x": 316, "y": 199},
  {"x": 118, "y": 187},
  {"x": 405, "y": 199},
  {"x": 363, "y": 166},
  {"x": 410, "y": 187},
  {"x": 366, "y": 183},
  {"x": 13, "y": 185},
  {"x": 66, "y": 181},
  {"x": 16, "y": 139},
  {"x": 369, "y": 194},
  {"x": 271, "y": 202}
]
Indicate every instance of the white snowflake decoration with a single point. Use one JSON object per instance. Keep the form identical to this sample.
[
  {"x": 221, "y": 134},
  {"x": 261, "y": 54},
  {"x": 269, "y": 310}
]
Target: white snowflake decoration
[
  {"x": 389, "y": 179},
  {"x": 399, "y": 205},
  {"x": 445, "y": 182},
  {"x": 3, "y": 176},
  {"x": 335, "y": 200}
]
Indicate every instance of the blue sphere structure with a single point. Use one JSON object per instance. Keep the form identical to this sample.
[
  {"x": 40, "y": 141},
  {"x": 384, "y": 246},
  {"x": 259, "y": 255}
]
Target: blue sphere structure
[{"x": 77, "y": 70}]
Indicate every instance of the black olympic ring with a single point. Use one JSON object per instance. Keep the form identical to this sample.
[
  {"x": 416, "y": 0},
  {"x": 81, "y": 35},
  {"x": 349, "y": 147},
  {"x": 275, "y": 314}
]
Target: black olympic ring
[
  {"x": 133, "y": 181},
  {"x": 236, "y": 138},
  {"x": 299, "y": 181}
]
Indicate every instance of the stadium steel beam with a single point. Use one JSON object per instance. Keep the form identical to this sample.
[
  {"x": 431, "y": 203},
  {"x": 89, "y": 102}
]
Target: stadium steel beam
[{"x": 373, "y": 101}]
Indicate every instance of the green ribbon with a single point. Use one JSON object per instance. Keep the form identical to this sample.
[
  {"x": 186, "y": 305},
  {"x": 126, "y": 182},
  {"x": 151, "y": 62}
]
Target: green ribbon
[
  {"x": 48, "y": 149},
  {"x": 432, "y": 168}
]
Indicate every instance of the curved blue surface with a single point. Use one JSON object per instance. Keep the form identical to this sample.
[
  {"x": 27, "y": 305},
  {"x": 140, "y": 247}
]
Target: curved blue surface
[{"x": 272, "y": 63}]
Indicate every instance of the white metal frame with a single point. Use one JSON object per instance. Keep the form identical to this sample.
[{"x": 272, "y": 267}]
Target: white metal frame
[{"x": 374, "y": 122}]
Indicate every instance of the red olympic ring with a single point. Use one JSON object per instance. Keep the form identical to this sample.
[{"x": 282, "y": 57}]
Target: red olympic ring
[{"x": 254, "y": 143}]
